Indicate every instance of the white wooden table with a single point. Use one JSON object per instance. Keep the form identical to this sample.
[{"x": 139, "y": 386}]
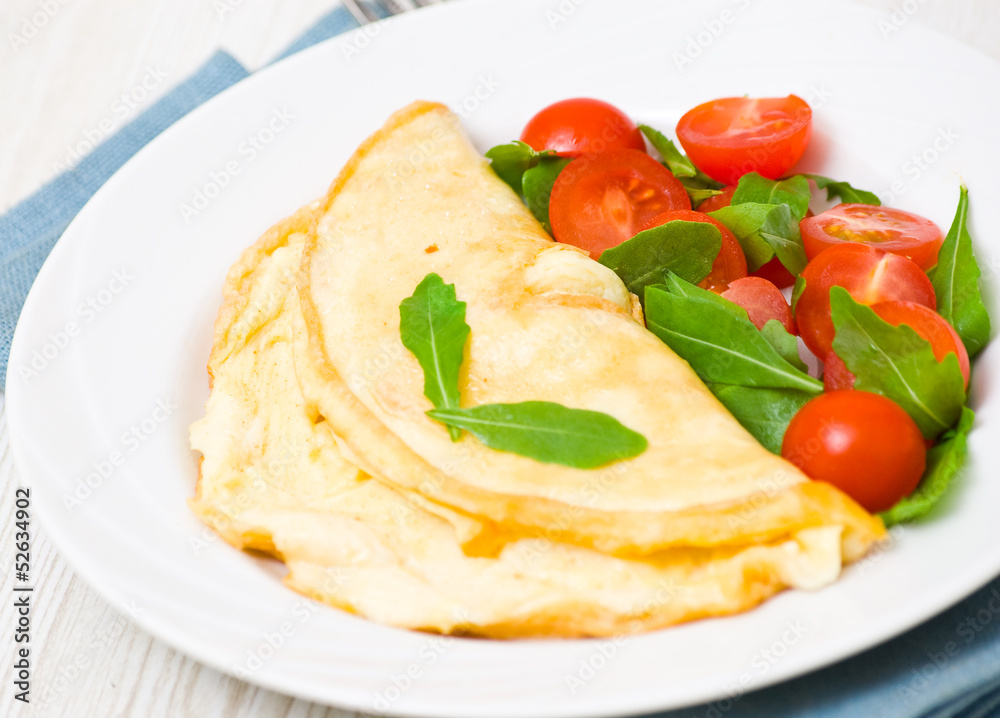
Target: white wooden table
[{"x": 65, "y": 66}]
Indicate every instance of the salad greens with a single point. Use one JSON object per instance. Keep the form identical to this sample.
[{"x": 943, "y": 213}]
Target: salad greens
[
  {"x": 698, "y": 185},
  {"x": 512, "y": 160},
  {"x": 673, "y": 158},
  {"x": 685, "y": 248},
  {"x": 784, "y": 343},
  {"x": 432, "y": 326},
  {"x": 793, "y": 192},
  {"x": 956, "y": 282},
  {"x": 944, "y": 463},
  {"x": 765, "y": 231},
  {"x": 536, "y": 186},
  {"x": 843, "y": 190},
  {"x": 740, "y": 365},
  {"x": 529, "y": 173},
  {"x": 897, "y": 363},
  {"x": 758, "y": 374}
]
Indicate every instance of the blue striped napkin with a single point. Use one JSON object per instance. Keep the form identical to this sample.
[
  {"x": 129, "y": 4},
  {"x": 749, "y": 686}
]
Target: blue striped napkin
[{"x": 947, "y": 668}]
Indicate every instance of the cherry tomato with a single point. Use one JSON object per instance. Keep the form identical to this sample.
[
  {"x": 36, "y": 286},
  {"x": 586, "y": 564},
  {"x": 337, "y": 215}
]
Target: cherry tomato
[
  {"x": 582, "y": 126},
  {"x": 762, "y": 300},
  {"x": 891, "y": 230},
  {"x": 836, "y": 375},
  {"x": 599, "y": 202},
  {"x": 871, "y": 276},
  {"x": 729, "y": 264},
  {"x": 862, "y": 443},
  {"x": 718, "y": 201},
  {"x": 774, "y": 272},
  {"x": 931, "y": 326},
  {"x": 729, "y": 137}
]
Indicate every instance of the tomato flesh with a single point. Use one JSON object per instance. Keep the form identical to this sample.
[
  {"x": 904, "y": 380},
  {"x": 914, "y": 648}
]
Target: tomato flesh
[
  {"x": 580, "y": 126},
  {"x": 836, "y": 375},
  {"x": 718, "y": 201},
  {"x": 728, "y": 137},
  {"x": 729, "y": 263},
  {"x": 931, "y": 326},
  {"x": 774, "y": 272},
  {"x": 862, "y": 443},
  {"x": 885, "y": 228},
  {"x": 869, "y": 275},
  {"x": 599, "y": 202},
  {"x": 762, "y": 300}
]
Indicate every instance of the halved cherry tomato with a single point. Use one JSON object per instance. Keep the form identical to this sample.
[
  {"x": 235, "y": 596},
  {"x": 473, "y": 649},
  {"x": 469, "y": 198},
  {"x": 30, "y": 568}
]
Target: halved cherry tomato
[
  {"x": 582, "y": 126},
  {"x": 931, "y": 326},
  {"x": 885, "y": 228},
  {"x": 729, "y": 264},
  {"x": 869, "y": 275},
  {"x": 729, "y": 137},
  {"x": 718, "y": 201},
  {"x": 862, "y": 443},
  {"x": 774, "y": 272},
  {"x": 599, "y": 202},
  {"x": 762, "y": 300},
  {"x": 836, "y": 375}
]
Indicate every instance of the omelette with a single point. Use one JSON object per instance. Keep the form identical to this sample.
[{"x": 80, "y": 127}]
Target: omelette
[{"x": 316, "y": 447}]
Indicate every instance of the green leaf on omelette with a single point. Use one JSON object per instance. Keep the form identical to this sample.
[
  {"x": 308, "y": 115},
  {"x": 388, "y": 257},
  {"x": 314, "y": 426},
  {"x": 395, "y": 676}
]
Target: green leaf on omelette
[
  {"x": 685, "y": 248},
  {"x": 944, "y": 462},
  {"x": 432, "y": 326},
  {"x": 765, "y": 231},
  {"x": 897, "y": 363},
  {"x": 843, "y": 190},
  {"x": 536, "y": 186},
  {"x": 548, "y": 432},
  {"x": 956, "y": 282},
  {"x": 717, "y": 338}
]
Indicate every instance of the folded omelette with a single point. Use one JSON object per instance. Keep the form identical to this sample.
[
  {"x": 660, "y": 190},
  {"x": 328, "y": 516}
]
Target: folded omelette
[{"x": 317, "y": 448}]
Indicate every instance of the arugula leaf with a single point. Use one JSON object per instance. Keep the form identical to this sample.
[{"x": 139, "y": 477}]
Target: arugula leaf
[
  {"x": 797, "y": 289},
  {"x": 956, "y": 282},
  {"x": 717, "y": 338},
  {"x": 512, "y": 160},
  {"x": 673, "y": 158},
  {"x": 793, "y": 191},
  {"x": 548, "y": 432},
  {"x": 784, "y": 343},
  {"x": 765, "y": 413},
  {"x": 536, "y": 185},
  {"x": 846, "y": 192},
  {"x": 432, "y": 326},
  {"x": 697, "y": 195},
  {"x": 699, "y": 186},
  {"x": 944, "y": 461},
  {"x": 685, "y": 248},
  {"x": 897, "y": 363},
  {"x": 765, "y": 231}
]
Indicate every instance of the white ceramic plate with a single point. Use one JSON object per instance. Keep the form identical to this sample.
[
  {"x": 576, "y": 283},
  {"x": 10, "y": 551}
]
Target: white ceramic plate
[{"x": 117, "y": 331}]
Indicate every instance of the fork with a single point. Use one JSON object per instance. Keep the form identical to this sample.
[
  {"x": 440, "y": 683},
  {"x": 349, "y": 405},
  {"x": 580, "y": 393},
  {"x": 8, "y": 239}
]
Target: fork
[{"x": 364, "y": 14}]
